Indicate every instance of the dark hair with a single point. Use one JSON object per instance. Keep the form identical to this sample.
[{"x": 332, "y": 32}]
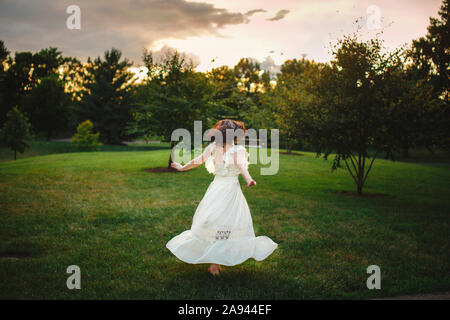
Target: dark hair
[{"x": 229, "y": 124}]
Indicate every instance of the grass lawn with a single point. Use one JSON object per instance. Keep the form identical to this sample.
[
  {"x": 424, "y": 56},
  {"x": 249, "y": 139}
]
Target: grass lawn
[{"x": 103, "y": 212}]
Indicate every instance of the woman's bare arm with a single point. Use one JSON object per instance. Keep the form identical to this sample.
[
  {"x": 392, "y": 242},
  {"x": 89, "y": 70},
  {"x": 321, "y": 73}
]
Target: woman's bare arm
[
  {"x": 194, "y": 162},
  {"x": 240, "y": 159}
]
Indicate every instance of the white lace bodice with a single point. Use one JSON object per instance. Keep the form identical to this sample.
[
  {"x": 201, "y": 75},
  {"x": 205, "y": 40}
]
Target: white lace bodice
[{"x": 227, "y": 168}]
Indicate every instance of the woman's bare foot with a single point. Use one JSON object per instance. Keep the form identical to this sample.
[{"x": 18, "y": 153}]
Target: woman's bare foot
[{"x": 214, "y": 269}]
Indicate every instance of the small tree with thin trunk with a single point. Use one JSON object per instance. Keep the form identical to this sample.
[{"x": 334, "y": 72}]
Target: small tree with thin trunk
[
  {"x": 353, "y": 109},
  {"x": 16, "y": 132}
]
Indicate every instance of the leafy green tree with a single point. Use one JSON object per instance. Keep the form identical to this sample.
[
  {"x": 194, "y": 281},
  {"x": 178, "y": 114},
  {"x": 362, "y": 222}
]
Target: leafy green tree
[
  {"x": 72, "y": 75},
  {"x": 84, "y": 139},
  {"x": 47, "y": 106},
  {"x": 18, "y": 82},
  {"x": 265, "y": 80},
  {"x": 431, "y": 58},
  {"x": 247, "y": 73},
  {"x": 107, "y": 96},
  {"x": 431, "y": 53},
  {"x": 413, "y": 112},
  {"x": 291, "y": 98},
  {"x": 227, "y": 100},
  {"x": 16, "y": 132},
  {"x": 173, "y": 97},
  {"x": 46, "y": 62},
  {"x": 4, "y": 54},
  {"x": 24, "y": 73},
  {"x": 352, "y": 108}
]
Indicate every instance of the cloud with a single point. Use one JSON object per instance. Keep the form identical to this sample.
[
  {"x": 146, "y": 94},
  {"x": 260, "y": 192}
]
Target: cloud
[
  {"x": 269, "y": 65},
  {"x": 279, "y": 15},
  {"x": 252, "y": 12},
  {"x": 160, "y": 55},
  {"x": 129, "y": 25}
]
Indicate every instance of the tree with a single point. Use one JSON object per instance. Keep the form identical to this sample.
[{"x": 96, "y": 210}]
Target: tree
[
  {"x": 4, "y": 54},
  {"x": 414, "y": 110},
  {"x": 18, "y": 82},
  {"x": 107, "y": 96},
  {"x": 47, "y": 106},
  {"x": 247, "y": 72},
  {"x": 265, "y": 80},
  {"x": 173, "y": 97},
  {"x": 16, "y": 132},
  {"x": 351, "y": 114},
  {"x": 46, "y": 62},
  {"x": 291, "y": 98},
  {"x": 85, "y": 139},
  {"x": 431, "y": 53},
  {"x": 72, "y": 74},
  {"x": 431, "y": 58},
  {"x": 227, "y": 100},
  {"x": 255, "y": 85},
  {"x": 25, "y": 72}
]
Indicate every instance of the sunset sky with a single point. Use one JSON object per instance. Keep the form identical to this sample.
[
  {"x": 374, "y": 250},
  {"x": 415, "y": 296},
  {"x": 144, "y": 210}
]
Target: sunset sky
[{"x": 219, "y": 30}]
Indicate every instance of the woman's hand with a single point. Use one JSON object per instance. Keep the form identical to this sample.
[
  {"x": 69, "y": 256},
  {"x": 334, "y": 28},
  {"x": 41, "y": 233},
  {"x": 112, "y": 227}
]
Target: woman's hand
[
  {"x": 177, "y": 166},
  {"x": 251, "y": 183}
]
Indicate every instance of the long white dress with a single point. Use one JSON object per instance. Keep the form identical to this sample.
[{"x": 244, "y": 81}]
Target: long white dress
[{"x": 222, "y": 228}]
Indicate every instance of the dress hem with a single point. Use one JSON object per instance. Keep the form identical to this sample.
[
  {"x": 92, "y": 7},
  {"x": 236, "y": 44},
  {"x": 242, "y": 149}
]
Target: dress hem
[{"x": 175, "y": 252}]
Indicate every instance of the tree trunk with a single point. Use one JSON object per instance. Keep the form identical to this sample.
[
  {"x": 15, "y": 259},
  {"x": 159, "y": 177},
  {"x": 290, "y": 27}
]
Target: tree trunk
[
  {"x": 15, "y": 154},
  {"x": 359, "y": 189},
  {"x": 172, "y": 145},
  {"x": 289, "y": 147},
  {"x": 360, "y": 174}
]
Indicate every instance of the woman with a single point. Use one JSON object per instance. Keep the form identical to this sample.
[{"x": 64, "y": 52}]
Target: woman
[{"x": 222, "y": 228}]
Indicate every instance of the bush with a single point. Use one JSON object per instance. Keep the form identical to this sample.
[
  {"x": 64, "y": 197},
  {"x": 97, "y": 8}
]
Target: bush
[{"x": 84, "y": 139}]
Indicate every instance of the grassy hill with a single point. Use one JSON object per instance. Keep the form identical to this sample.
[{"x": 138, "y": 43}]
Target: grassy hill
[{"x": 103, "y": 212}]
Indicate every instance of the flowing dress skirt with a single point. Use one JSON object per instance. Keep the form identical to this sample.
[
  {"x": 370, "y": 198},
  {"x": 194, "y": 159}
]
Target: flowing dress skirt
[{"x": 222, "y": 229}]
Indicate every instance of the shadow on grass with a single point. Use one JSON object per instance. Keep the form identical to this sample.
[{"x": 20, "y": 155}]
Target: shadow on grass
[
  {"x": 160, "y": 170},
  {"x": 292, "y": 153},
  {"x": 19, "y": 250},
  {"x": 11, "y": 255},
  {"x": 245, "y": 281},
  {"x": 439, "y": 157},
  {"x": 132, "y": 148},
  {"x": 364, "y": 195}
]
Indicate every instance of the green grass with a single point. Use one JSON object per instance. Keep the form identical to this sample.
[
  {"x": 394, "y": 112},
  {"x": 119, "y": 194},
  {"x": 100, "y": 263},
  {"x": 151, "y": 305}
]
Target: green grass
[
  {"x": 103, "y": 212},
  {"x": 43, "y": 147}
]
